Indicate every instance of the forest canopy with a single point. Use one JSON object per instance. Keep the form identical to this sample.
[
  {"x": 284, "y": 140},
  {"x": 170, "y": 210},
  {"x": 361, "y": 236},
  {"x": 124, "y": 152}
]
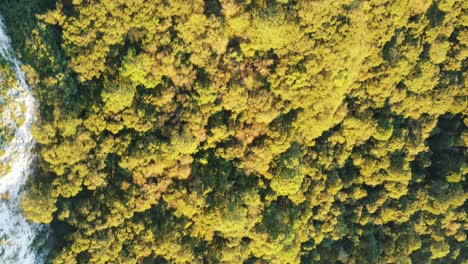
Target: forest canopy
[{"x": 248, "y": 131}]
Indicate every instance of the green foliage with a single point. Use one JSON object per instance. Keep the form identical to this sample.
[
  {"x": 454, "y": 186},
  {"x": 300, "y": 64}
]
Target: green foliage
[
  {"x": 117, "y": 96},
  {"x": 289, "y": 173},
  {"x": 137, "y": 68},
  {"x": 248, "y": 131}
]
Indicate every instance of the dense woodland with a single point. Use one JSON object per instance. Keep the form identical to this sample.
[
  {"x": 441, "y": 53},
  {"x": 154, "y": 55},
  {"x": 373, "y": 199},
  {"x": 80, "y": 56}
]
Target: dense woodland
[{"x": 248, "y": 131}]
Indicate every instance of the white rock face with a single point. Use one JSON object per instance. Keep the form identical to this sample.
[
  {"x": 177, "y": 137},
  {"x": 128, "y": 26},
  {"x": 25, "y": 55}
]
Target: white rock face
[{"x": 19, "y": 240}]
